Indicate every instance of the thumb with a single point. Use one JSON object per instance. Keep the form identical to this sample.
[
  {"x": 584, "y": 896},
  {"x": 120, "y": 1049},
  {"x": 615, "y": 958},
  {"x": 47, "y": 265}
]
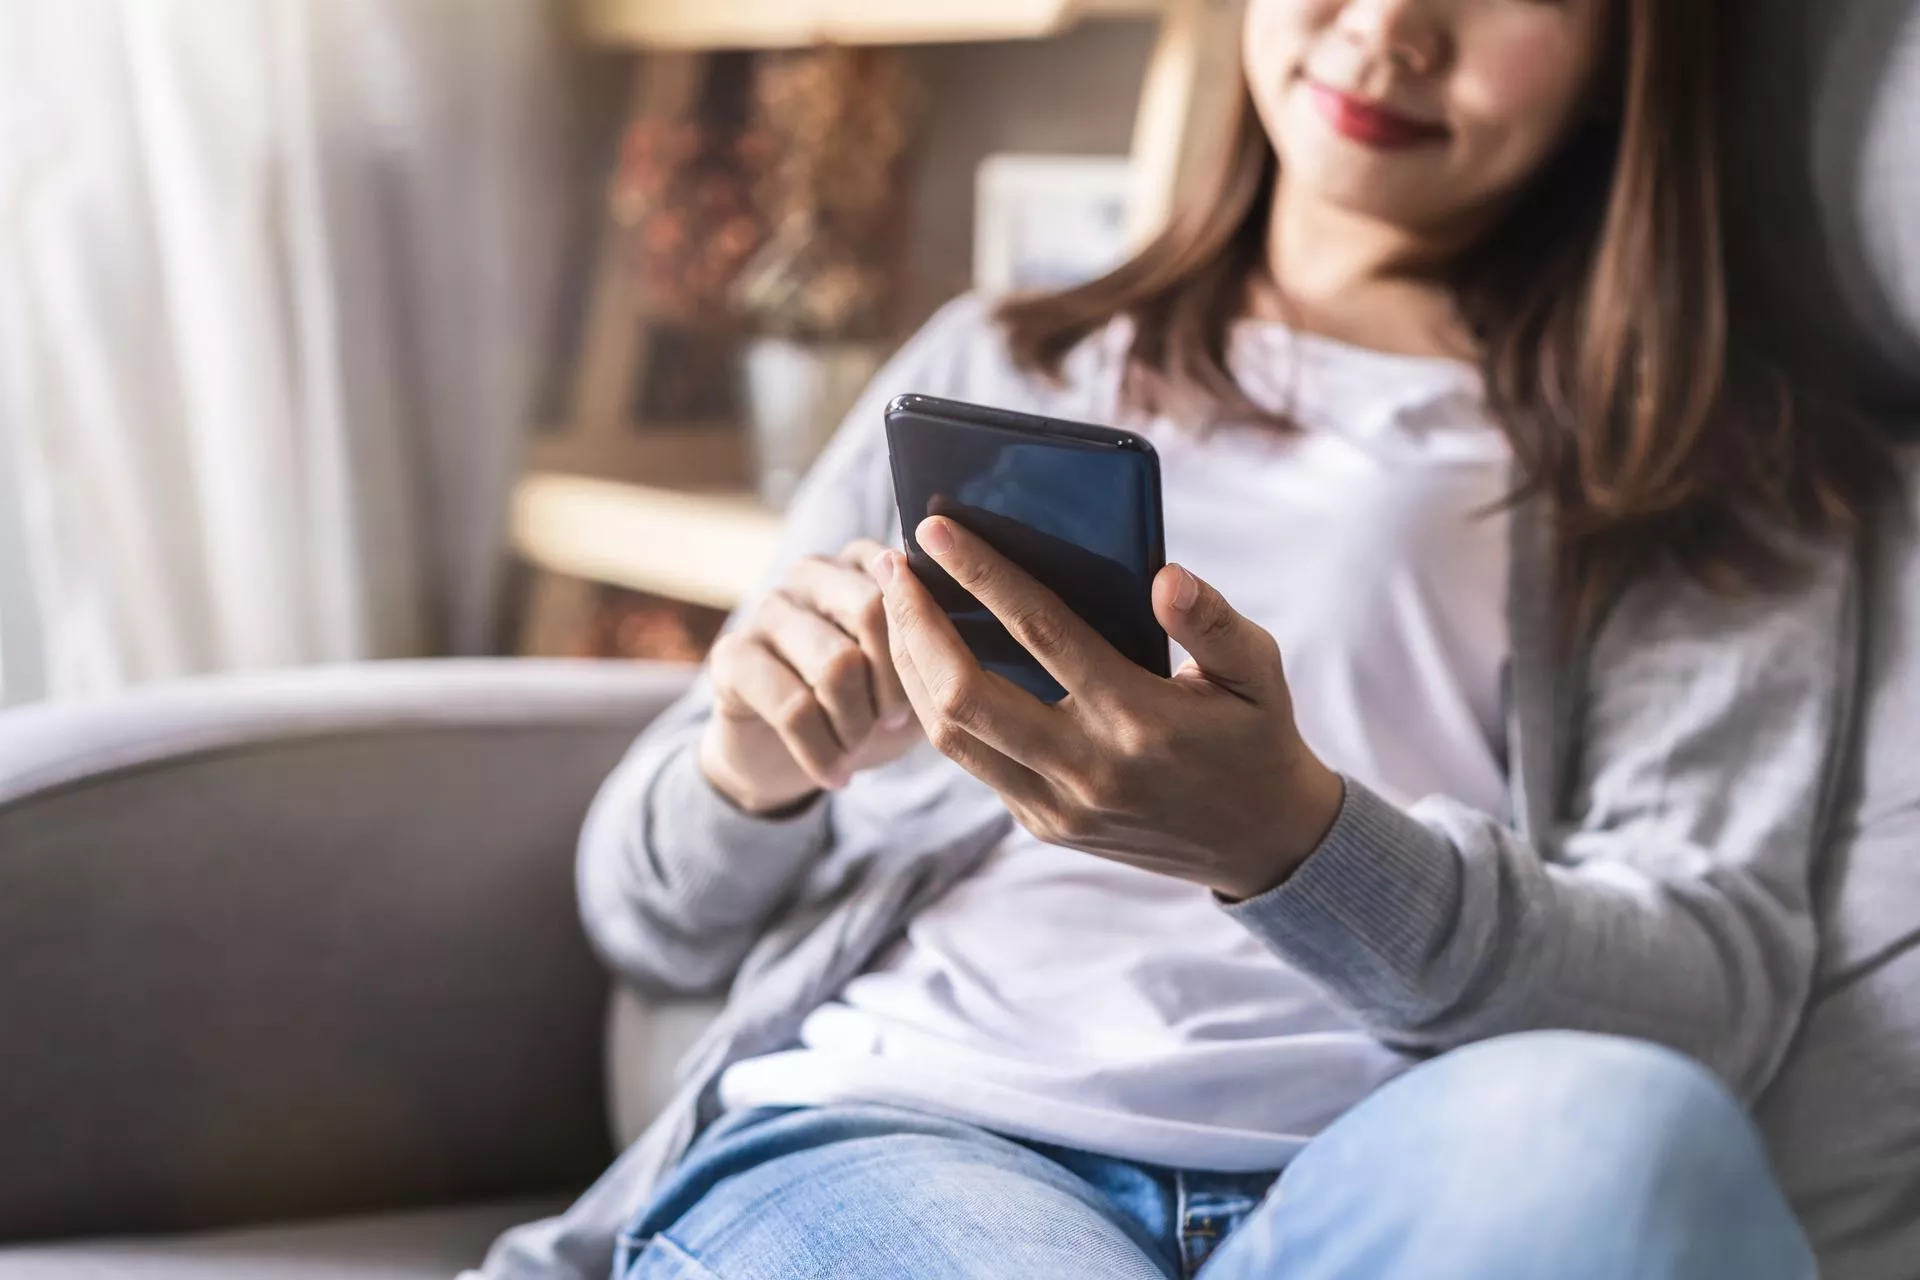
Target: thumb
[{"x": 1229, "y": 650}]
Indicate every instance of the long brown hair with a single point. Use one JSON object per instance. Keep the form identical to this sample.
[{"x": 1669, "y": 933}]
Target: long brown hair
[{"x": 1633, "y": 403}]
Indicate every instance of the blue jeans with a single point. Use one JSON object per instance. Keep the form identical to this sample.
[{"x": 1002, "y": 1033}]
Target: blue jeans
[{"x": 1550, "y": 1156}]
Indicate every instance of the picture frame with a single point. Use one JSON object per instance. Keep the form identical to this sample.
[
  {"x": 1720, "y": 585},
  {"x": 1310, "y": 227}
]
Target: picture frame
[{"x": 1049, "y": 221}]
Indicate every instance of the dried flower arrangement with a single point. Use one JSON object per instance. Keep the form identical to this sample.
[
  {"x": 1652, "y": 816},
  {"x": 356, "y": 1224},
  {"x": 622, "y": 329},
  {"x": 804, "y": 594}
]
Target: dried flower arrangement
[
  {"x": 831, "y": 130},
  {"x": 683, "y": 192},
  {"x": 779, "y": 200}
]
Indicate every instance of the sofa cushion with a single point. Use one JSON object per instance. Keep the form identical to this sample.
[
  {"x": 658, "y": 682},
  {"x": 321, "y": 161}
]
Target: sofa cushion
[
  {"x": 1869, "y": 887},
  {"x": 1855, "y": 1181},
  {"x": 646, "y": 1040},
  {"x": 1843, "y": 1117},
  {"x": 427, "y": 1245}
]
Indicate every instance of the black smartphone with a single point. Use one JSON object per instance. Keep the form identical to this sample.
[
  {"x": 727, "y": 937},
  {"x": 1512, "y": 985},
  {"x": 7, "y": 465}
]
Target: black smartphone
[{"x": 1076, "y": 506}]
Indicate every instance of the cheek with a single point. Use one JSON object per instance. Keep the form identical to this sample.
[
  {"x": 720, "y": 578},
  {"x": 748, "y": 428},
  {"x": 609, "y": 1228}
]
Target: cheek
[
  {"x": 1275, "y": 38},
  {"x": 1274, "y": 45},
  {"x": 1522, "y": 91}
]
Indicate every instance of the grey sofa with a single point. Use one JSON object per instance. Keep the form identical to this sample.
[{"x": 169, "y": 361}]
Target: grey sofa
[{"x": 304, "y": 948}]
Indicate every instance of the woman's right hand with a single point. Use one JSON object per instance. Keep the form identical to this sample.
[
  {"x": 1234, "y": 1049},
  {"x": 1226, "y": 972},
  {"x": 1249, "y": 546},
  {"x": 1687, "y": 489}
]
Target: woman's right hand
[{"x": 806, "y": 694}]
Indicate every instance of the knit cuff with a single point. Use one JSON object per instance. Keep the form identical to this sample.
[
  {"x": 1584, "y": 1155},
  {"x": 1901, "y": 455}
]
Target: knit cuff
[{"x": 1369, "y": 909}]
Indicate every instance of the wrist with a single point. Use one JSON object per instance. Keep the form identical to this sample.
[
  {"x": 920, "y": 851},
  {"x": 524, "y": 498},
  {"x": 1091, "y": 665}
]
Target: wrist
[
  {"x": 738, "y": 790},
  {"x": 1322, "y": 794},
  {"x": 1314, "y": 801}
]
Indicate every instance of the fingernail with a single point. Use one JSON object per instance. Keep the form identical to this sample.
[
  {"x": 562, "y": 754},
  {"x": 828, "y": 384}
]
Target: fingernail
[
  {"x": 895, "y": 720},
  {"x": 882, "y": 569},
  {"x": 1186, "y": 590},
  {"x": 935, "y": 537}
]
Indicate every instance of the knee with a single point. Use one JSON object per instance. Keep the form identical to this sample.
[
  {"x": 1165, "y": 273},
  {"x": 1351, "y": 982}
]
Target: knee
[
  {"x": 1548, "y": 1154},
  {"x": 1627, "y": 1092},
  {"x": 1590, "y": 1123},
  {"x": 1617, "y": 1093}
]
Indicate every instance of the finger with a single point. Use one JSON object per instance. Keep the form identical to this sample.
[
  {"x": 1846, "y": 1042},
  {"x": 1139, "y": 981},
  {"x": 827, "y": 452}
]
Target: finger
[
  {"x": 890, "y": 700},
  {"x": 1229, "y": 650},
  {"x": 1014, "y": 782},
  {"x": 842, "y": 591},
  {"x": 956, "y": 690},
  {"x": 756, "y": 681},
  {"x": 833, "y": 666},
  {"x": 860, "y": 552},
  {"x": 1071, "y": 651}
]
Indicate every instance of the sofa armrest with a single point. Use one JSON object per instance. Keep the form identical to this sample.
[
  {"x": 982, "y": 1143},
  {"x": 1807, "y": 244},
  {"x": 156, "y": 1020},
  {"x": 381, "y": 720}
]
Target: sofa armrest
[{"x": 303, "y": 944}]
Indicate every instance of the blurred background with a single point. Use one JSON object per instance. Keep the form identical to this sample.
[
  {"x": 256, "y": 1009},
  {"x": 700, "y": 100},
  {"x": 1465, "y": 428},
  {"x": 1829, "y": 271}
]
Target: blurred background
[{"x": 346, "y": 329}]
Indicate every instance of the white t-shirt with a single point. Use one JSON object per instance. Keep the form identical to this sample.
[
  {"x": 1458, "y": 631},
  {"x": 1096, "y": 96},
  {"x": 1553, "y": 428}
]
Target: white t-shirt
[{"x": 1064, "y": 998}]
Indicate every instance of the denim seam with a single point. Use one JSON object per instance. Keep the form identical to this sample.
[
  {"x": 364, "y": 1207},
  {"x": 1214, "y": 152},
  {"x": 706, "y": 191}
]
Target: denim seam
[
  {"x": 1180, "y": 1225},
  {"x": 681, "y": 1254}
]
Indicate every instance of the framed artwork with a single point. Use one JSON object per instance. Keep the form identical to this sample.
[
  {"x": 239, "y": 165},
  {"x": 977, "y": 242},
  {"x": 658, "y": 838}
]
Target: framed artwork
[{"x": 1049, "y": 221}]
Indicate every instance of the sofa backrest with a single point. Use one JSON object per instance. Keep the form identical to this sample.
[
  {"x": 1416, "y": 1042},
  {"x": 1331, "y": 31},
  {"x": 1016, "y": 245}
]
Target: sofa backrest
[
  {"x": 303, "y": 944},
  {"x": 1824, "y": 190},
  {"x": 1824, "y": 220},
  {"x": 1843, "y": 1117}
]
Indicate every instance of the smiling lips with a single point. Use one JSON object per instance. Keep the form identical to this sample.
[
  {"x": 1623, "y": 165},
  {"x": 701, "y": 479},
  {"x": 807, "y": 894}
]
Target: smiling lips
[{"x": 1371, "y": 124}]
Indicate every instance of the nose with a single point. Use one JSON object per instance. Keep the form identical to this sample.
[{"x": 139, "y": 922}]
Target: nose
[{"x": 1408, "y": 35}]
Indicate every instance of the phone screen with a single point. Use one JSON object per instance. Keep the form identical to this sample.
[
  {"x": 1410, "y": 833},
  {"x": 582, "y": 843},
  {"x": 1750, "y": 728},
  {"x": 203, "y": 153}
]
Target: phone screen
[{"x": 1076, "y": 507}]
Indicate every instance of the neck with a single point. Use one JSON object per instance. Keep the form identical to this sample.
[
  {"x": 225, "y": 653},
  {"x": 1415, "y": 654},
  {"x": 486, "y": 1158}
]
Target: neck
[
  {"x": 1317, "y": 253},
  {"x": 1344, "y": 275}
]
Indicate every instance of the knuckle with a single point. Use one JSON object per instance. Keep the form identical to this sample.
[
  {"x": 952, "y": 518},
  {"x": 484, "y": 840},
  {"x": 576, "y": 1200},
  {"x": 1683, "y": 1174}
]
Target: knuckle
[
  {"x": 795, "y": 713},
  {"x": 1038, "y": 627},
  {"x": 871, "y": 617},
  {"x": 948, "y": 739},
  {"x": 987, "y": 583},
  {"x": 810, "y": 566},
  {"x": 957, "y": 700},
  {"x": 772, "y": 611},
  {"x": 727, "y": 660},
  {"x": 971, "y": 573},
  {"x": 1039, "y": 824},
  {"x": 725, "y": 652},
  {"x": 845, "y": 670},
  {"x": 1218, "y": 621},
  {"x": 1069, "y": 822}
]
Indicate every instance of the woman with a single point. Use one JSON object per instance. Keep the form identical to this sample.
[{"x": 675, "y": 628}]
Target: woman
[{"x": 1445, "y": 949}]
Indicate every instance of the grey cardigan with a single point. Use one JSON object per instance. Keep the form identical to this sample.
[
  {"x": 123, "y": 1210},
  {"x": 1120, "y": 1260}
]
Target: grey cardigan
[{"x": 1671, "y": 780}]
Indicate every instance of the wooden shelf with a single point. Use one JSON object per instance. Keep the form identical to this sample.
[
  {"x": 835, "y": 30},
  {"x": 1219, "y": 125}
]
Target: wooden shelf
[
  {"x": 682, "y": 526},
  {"x": 703, "y": 548},
  {"x": 665, "y": 455},
  {"x": 777, "y": 24}
]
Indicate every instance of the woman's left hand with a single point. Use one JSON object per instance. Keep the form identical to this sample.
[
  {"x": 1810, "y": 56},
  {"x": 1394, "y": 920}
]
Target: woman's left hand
[{"x": 1202, "y": 776}]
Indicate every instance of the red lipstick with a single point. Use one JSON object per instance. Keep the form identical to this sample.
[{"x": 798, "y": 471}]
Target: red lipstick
[{"x": 1372, "y": 124}]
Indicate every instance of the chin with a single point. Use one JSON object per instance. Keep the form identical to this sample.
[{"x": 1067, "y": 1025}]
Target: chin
[
  {"x": 1399, "y": 187},
  {"x": 1377, "y": 183},
  {"x": 1391, "y": 189}
]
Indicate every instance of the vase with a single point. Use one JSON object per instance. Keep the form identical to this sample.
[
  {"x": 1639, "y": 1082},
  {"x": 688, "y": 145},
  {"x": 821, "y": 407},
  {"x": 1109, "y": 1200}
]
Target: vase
[{"x": 797, "y": 393}]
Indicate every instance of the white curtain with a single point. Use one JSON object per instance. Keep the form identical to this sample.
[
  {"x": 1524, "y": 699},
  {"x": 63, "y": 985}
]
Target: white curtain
[{"x": 276, "y": 281}]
